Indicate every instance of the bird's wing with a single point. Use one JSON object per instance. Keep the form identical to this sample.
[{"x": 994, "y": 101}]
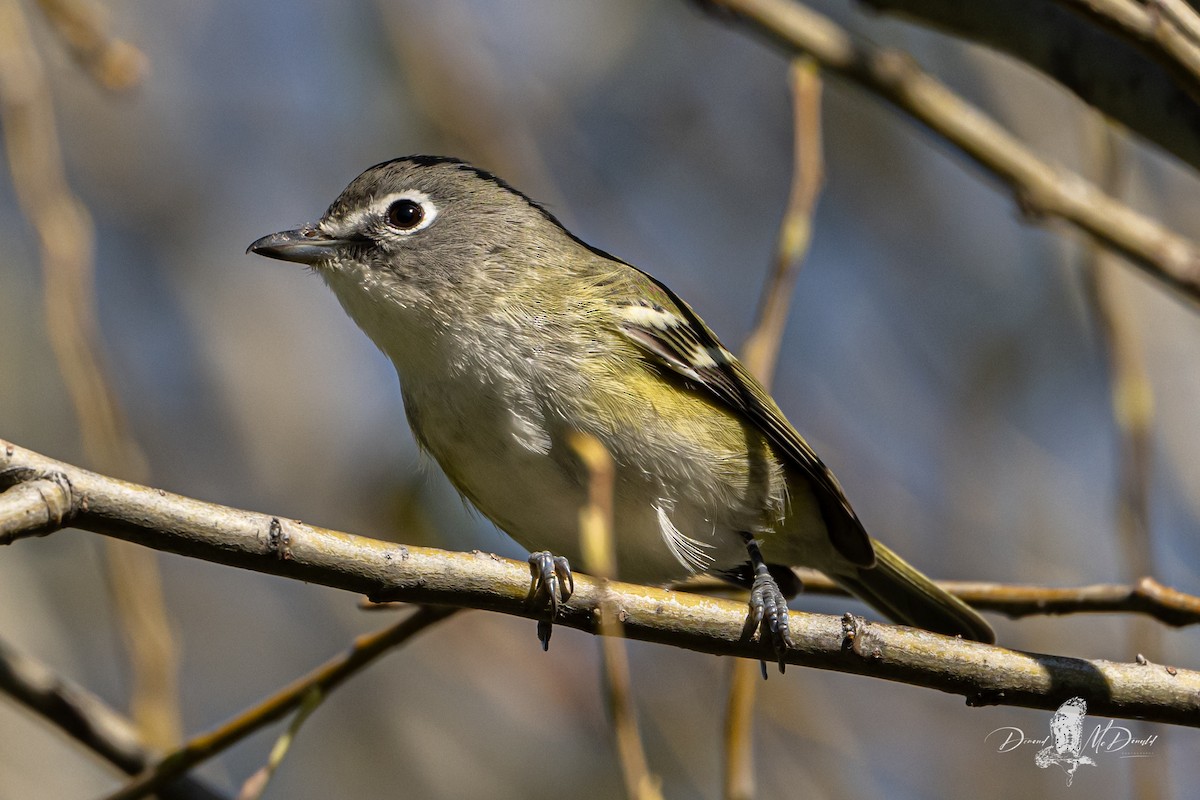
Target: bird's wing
[{"x": 673, "y": 336}]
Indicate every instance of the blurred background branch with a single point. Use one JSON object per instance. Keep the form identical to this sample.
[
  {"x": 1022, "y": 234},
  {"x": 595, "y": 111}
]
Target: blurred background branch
[
  {"x": 86, "y": 718},
  {"x": 1149, "y": 28},
  {"x": 1042, "y": 189},
  {"x": 256, "y": 784},
  {"x": 65, "y": 233},
  {"x": 761, "y": 350},
  {"x": 761, "y": 354},
  {"x": 1146, "y": 596},
  {"x": 113, "y": 63},
  {"x": 600, "y": 560},
  {"x": 1132, "y": 404},
  {"x": 297, "y": 695},
  {"x": 1097, "y": 63}
]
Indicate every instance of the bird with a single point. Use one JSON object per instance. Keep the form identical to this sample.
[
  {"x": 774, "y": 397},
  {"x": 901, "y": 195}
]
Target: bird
[{"x": 510, "y": 335}]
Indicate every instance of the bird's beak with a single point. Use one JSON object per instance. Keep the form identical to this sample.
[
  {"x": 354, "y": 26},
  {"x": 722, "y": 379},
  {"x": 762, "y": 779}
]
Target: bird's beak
[{"x": 307, "y": 245}]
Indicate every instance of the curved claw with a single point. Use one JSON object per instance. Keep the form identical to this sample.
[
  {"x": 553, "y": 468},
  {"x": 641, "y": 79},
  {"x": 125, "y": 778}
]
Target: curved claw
[
  {"x": 550, "y": 584},
  {"x": 768, "y": 606},
  {"x": 769, "y": 613}
]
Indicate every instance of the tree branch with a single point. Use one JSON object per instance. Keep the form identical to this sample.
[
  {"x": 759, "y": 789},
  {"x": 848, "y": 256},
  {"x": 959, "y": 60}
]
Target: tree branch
[
  {"x": 600, "y": 558},
  {"x": 87, "y": 719},
  {"x": 1181, "y": 15},
  {"x": 1119, "y": 76},
  {"x": 385, "y": 571},
  {"x": 67, "y": 244},
  {"x": 760, "y": 354},
  {"x": 1042, "y": 189},
  {"x": 323, "y": 680},
  {"x": 1147, "y": 28},
  {"x": 113, "y": 63},
  {"x": 1099, "y": 65},
  {"x": 1147, "y": 596}
]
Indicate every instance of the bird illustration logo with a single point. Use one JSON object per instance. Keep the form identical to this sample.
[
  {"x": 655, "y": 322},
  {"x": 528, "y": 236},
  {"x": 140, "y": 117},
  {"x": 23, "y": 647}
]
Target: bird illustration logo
[{"x": 1066, "y": 731}]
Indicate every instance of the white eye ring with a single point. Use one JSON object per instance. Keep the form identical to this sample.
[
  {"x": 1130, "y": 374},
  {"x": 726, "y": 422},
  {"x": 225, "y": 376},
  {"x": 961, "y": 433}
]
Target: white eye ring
[{"x": 407, "y": 212}]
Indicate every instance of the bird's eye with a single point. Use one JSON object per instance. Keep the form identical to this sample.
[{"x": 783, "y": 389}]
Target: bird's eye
[{"x": 405, "y": 214}]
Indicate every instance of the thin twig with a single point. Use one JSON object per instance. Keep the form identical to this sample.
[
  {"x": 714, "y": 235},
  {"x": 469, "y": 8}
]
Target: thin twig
[
  {"x": 1042, "y": 189},
  {"x": 761, "y": 351},
  {"x": 324, "y": 679},
  {"x": 114, "y": 63},
  {"x": 64, "y": 229},
  {"x": 1133, "y": 410},
  {"x": 1181, "y": 14},
  {"x": 1132, "y": 392},
  {"x": 1102, "y": 67},
  {"x": 738, "y": 781},
  {"x": 87, "y": 719},
  {"x": 600, "y": 559},
  {"x": 254, "y": 786},
  {"x": 389, "y": 571},
  {"x": 760, "y": 355},
  {"x": 1146, "y": 596},
  {"x": 1157, "y": 34}
]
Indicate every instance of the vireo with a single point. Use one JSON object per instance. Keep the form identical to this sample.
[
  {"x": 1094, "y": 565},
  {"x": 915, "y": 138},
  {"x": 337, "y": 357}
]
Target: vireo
[{"x": 509, "y": 333}]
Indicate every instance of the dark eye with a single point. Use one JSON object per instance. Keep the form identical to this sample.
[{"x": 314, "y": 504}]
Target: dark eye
[{"x": 405, "y": 214}]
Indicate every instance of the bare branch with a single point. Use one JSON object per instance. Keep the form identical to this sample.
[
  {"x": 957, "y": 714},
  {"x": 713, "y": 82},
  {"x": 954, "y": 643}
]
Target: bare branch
[
  {"x": 761, "y": 351},
  {"x": 600, "y": 558},
  {"x": 984, "y": 674},
  {"x": 65, "y": 232},
  {"x": 1181, "y": 15},
  {"x": 32, "y": 507},
  {"x": 1097, "y": 64},
  {"x": 87, "y": 719},
  {"x": 738, "y": 778},
  {"x": 1159, "y": 37},
  {"x": 113, "y": 63},
  {"x": 1147, "y": 596},
  {"x": 324, "y": 679},
  {"x": 760, "y": 355},
  {"x": 254, "y": 786},
  {"x": 1042, "y": 189}
]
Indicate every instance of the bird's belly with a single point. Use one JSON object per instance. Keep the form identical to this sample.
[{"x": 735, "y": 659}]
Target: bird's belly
[
  {"x": 539, "y": 508},
  {"x": 533, "y": 488}
]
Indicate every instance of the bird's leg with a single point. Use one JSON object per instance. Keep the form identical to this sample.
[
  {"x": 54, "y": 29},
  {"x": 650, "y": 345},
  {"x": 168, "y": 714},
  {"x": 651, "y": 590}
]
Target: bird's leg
[
  {"x": 550, "y": 583},
  {"x": 768, "y": 606}
]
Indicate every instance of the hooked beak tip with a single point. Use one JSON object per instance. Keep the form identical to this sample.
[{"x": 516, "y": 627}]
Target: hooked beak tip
[{"x": 307, "y": 245}]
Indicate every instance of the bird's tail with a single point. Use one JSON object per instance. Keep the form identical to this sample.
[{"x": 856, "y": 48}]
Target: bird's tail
[{"x": 898, "y": 590}]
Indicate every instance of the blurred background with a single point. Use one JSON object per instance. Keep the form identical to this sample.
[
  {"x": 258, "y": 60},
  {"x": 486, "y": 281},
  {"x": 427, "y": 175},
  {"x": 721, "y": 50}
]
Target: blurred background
[{"x": 942, "y": 355}]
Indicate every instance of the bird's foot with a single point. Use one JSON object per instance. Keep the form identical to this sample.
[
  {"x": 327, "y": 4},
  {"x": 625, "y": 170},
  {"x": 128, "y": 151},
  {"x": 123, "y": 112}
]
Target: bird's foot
[
  {"x": 550, "y": 583},
  {"x": 769, "y": 615},
  {"x": 768, "y": 605}
]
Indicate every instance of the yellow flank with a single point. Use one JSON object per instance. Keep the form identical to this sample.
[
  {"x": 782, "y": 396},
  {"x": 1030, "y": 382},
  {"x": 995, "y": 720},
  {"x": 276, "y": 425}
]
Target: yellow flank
[{"x": 732, "y": 468}]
